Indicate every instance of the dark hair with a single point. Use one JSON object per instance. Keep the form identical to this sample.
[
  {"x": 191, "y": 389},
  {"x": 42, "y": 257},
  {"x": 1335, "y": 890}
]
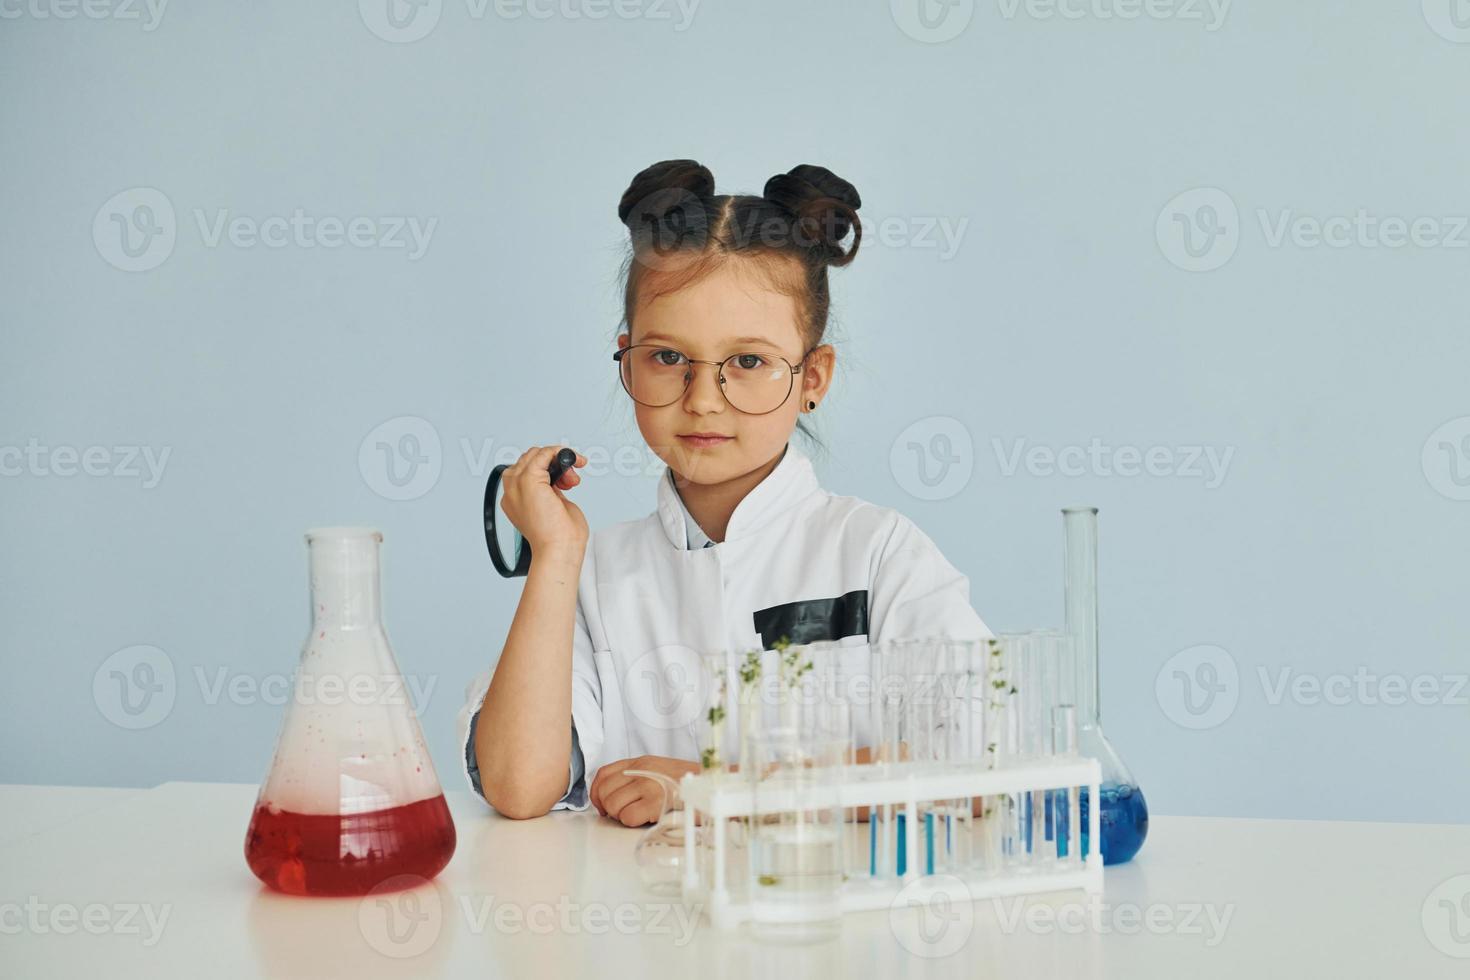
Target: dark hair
[{"x": 680, "y": 231}]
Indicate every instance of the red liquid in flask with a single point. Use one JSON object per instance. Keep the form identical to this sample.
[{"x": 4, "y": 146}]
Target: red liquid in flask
[{"x": 351, "y": 853}]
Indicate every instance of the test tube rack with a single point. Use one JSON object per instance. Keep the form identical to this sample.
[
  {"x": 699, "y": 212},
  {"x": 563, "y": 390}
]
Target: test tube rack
[{"x": 713, "y": 798}]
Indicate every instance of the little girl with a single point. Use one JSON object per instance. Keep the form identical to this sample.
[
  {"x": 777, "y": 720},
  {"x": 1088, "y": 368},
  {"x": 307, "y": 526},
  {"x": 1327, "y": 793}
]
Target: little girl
[{"x": 725, "y": 309}]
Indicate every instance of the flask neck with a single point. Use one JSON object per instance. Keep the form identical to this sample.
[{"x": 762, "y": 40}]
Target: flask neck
[
  {"x": 344, "y": 579},
  {"x": 1080, "y": 563}
]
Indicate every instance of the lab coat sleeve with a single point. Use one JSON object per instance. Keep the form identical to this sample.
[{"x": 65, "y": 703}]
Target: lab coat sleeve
[
  {"x": 916, "y": 592},
  {"x": 584, "y": 690}
]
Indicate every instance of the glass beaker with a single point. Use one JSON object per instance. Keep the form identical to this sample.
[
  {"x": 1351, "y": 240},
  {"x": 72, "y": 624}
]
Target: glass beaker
[
  {"x": 796, "y": 853},
  {"x": 351, "y": 798},
  {"x": 659, "y": 852},
  {"x": 1123, "y": 815}
]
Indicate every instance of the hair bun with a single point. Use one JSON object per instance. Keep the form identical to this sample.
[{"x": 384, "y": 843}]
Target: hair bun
[
  {"x": 667, "y": 204},
  {"x": 825, "y": 207}
]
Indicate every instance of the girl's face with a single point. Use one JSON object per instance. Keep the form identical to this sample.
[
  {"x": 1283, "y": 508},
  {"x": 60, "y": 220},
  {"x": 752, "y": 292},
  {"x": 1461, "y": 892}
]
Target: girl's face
[{"x": 726, "y": 312}]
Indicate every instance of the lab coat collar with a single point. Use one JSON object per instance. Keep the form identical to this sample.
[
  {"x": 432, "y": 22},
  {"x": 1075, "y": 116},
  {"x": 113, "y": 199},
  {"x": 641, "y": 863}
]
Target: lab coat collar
[{"x": 784, "y": 487}]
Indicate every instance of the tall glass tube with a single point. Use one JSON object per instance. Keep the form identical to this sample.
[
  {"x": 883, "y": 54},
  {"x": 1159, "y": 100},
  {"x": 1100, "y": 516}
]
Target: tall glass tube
[
  {"x": 1123, "y": 813},
  {"x": 1080, "y": 534}
]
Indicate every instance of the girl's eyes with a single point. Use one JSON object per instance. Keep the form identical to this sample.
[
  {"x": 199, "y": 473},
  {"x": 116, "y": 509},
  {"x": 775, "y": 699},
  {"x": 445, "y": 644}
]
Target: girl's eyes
[{"x": 667, "y": 358}]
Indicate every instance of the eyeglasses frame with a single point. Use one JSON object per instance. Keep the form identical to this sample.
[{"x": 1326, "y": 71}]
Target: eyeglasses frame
[{"x": 719, "y": 374}]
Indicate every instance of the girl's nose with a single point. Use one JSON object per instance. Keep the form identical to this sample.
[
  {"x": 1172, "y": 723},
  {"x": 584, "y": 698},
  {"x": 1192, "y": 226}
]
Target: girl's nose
[{"x": 704, "y": 394}]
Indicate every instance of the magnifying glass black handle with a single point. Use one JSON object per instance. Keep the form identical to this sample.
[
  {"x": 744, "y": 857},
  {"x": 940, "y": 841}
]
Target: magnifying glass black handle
[{"x": 564, "y": 460}]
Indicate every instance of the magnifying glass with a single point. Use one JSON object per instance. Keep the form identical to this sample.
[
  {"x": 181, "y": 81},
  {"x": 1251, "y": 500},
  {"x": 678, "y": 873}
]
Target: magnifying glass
[{"x": 510, "y": 552}]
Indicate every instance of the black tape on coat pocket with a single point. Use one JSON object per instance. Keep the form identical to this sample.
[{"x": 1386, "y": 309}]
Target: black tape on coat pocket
[{"x": 811, "y": 620}]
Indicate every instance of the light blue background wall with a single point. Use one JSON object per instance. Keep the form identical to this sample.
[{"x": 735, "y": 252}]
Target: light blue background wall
[{"x": 1064, "y": 313}]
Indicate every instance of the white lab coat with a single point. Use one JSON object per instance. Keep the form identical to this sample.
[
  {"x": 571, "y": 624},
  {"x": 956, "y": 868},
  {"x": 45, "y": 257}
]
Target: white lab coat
[{"x": 647, "y": 606}]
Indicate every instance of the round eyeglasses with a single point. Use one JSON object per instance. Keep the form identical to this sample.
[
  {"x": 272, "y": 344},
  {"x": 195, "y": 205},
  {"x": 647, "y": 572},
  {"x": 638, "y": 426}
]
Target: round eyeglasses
[{"x": 755, "y": 383}]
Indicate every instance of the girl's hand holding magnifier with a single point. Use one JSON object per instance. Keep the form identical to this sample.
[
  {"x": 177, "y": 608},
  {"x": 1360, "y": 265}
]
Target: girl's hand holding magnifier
[{"x": 549, "y": 522}]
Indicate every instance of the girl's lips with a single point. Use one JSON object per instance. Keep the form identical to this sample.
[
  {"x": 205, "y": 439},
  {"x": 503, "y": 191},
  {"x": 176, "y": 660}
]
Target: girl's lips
[{"x": 706, "y": 441}]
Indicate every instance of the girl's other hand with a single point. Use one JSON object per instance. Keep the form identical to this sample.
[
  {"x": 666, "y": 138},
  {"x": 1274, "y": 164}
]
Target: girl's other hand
[
  {"x": 541, "y": 512},
  {"x": 634, "y": 800}
]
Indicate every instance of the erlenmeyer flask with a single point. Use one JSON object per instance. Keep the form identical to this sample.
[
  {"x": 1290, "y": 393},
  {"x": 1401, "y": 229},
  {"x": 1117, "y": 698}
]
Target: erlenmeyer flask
[
  {"x": 351, "y": 798},
  {"x": 659, "y": 852},
  {"x": 1123, "y": 818}
]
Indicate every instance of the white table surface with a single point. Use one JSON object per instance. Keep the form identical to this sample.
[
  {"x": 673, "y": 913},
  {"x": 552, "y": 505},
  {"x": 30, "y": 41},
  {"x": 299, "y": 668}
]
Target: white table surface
[
  {"x": 27, "y": 810},
  {"x": 558, "y": 896}
]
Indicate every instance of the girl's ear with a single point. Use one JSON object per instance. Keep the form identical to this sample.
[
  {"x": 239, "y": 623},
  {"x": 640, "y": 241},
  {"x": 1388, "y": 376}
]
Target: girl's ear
[
  {"x": 623, "y": 340},
  {"x": 816, "y": 377}
]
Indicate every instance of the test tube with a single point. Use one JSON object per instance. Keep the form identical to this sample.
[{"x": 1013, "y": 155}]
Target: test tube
[
  {"x": 1023, "y": 738},
  {"x": 926, "y": 740},
  {"x": 977, "y": 677},
  {"x": 828, "y": 715},
  {"x": 1065, "y": 808},
  {"x": 886, "y": 709},
  {"x": 997, "y": 710},
  {"x": 960, "y": 747},
  {"x": 1043, "y": 678},
  {"x": 899, "y": 668},
  {"x": 714, "y": 719}
]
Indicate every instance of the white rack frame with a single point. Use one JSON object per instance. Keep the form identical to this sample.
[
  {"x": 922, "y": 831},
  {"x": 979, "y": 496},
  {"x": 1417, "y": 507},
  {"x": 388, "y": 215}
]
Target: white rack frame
[{"x": 720, "y": 795}]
